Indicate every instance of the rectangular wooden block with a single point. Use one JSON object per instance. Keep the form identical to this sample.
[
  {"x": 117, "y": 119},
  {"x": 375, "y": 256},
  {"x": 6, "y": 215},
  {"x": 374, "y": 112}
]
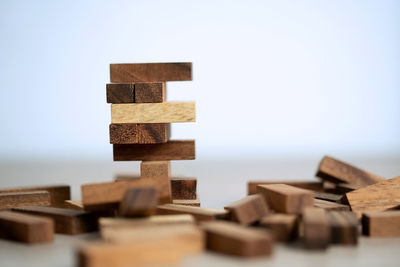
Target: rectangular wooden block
[
  {"x": 328, "y": 205},
  {"x": 283, "y": 227},
  {"x": 19, "y": 199},
  {"x": 200, "y": 214},
  {"x": 381, "y": 224},
  {"x": 172, "y": 150},
  {"x": 314, "y": 186},
  {"x": 150, "y": 92},
  {"x": 151, "y": 72},
  {"x": 166, "y": 112},
  {"x": 317, "y": 234},
  {"x": 187, "y": 202},
  {"x": 67, "y": 221},
  {"x": 234, "y": 239},
  {"x": 156, "y": 220},
  {"x": 183, "y": 188},
  {"x": 344, "y": 227},
  {"x": 25, "y": 228},
  {"x": 139, "y": 133},
  {"x": 120, "y": 93},
  {"x": 248, "y": 210},
  {"x": 150, "y": 169},
  {"x": 285, "y": 198},
  {"x": 328, "y": 196},
  {"x": 336, "y": 171},
  {"x": 138, "y": 202}
]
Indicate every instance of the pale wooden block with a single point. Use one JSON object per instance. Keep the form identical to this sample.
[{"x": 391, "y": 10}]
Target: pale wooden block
[{"x": 146, "y": 222}]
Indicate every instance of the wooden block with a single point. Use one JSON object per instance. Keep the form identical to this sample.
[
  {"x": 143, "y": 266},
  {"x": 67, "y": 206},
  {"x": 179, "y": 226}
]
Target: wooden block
[
  {"x": 183, "y": 188},
  {"x": 337, "y": 171},
  {"x": 248, "y": 210},
  {"x": 344, "y": 227},
  {"x": 328, "y": 205},
  {"x": 200, "y": 214},
  {"x": 381, "y": 224},
  {"x": 150, "y": 92},
  {"x": 126, "y": 176},
  {"x": 67, "y": 221},
  {"x": 285, "y": 198},
  {"x": 19, "y": 199},
  {"x": 283, "y": 227},
  {"x": 25, "y": 228},
  {"x": 74, "y": 204},
  {"x": 138, "y": 202},
  {"x": 150, "y": 221},
  {"x": 151, "y": 72},
  {"x": 344, "y": 188},
  {"x": 120, "y": 92},
  {"x": 139, "y": 133},
  {"x": 58, "y": 193},
  {"x": 150, "y": 169},
  {"x": 165, "y": 112},
  {"x": 172, "y": 150},
  {"x": 234, "y": 239},
  {"x": 187, "y": 202},
  {"x": 317, "y": 233},
  {"x": 314, "y": 186},
  {"x": 328, "y": 196}
]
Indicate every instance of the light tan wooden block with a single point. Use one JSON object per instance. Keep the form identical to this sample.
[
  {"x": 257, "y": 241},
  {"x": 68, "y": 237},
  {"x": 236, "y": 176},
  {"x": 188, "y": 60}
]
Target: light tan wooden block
[
  {"x": 146, "y": 221},
  {"x": 187, "y": 202},
  {"x": 248, "y": 210},
  {"x": 381, "y": 224},
  {"x": 200, "y": 214}
]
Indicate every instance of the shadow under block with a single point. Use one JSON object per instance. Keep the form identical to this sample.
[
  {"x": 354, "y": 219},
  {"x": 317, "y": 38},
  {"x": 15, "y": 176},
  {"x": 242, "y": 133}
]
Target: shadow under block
[
  {"x": 172, "y": 150},
  {"x": 139, "y": 133},
  {"x": 58, "y": 193},
  {"x": 25, "y": 228},
  {"x": 234, "y": 239},
  {"x": 187, "y": 202},
  {"x": 328, "y": 196},
  {"x": 248, "y": 210},
  {"x": 19, "y": 199},
  {"x": 200, "y": 214},
  {"x": 140, "y": 201},
  {"x": 344, "y": 227},
  {"x": 166, "y": 112},
  {"x": 67, "y": 221},
  {"x": 317, "y": 234},
  {"x": 285, "y": 198},
  {"x": 314, "y": 186},
  {"x": 150, "y": 169},
  {"x": 328, "y": 205},
  {"x": 344, "y": 188},
  {"x": 337, "y": 171},
  {"x": 120, "y": 93},
  {"x": 381, "y": 224},
  {"x": 183, "y": 188},
  {"x": 151, "y": 72},
  {"x": 283, "y": 227},
  {"x": 150, "y": 92}
]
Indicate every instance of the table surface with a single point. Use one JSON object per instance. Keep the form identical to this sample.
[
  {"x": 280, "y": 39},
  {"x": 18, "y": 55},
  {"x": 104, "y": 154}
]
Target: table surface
[{"x": 220, "y": 182}]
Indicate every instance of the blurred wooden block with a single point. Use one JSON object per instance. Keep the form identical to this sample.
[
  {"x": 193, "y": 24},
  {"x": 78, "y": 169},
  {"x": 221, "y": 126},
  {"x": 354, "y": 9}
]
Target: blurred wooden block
[
  {"x": 19, "y": 199},
  {"x": 317, "y": 234},
  {"x": 314, "y": 186},
  {"x": 156, "y": 220},
  {"x": 234, "y": 239},
  {"x": 139, "y": 133},
  {"x": 187, "y": 202},
  {"x": 284, "y": 227},
  {"x": 150, "y": 169},
  {"x": 285, "y": 198},
  {"x": 74, "y": 204},
  {"x": 248, "y": 210},
  {"x": 150, "y": 92},
  {"x": 58, "y": 193},
  {"x": 183, "y": 188},
  {"x": 25, "y": 228},
  {"x": 344, "y": 188},
  {"x": 200, "y": 214},
  {"x": 172, "y": 150},
  {"x": 126, "y": 176},
  {"x": 150, "y": 72},
  {"x": 337, "y": 171},
  {"x": 328, "y": 196},
  {"x": 140, "y": 201},
  {"x": 381, "y": 224},
  {"x": 165, "y": 112},
  {"x": 328, "y": 205},
  {"x": 120, "y": 93},
  {"x": 344, "y": 227}
]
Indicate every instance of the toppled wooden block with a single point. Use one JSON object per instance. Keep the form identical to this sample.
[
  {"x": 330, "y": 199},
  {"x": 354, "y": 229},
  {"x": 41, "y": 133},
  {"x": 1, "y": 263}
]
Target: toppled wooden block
[
  {"x": 67, "y": 221},
  {"x": 317, "y": 234},
  {"x": 337, "y": 171},
  {"x": 187, "y": 202},
  {"x": 285, "y": 198},
  {"x": 156, "y": 220},
  {"x": 25, "y": 228},
  {"x": 140, "y": 201},
  {"x": 154, "y": 92},
  {"x": 183, "y": 188},
  {"x": 118, "y": 93},
  {"x": 328, "y": 196},
  {"x": 314, "y": 186},
  {"x": 381, "y": 223},
  {"x": 150, "y": 169},
  {"x": 344, "y": 227},
  {"x": 200, "y": 214},
  {"x": 328, "y": 205},
  {"x": 283, "y": 227},
  {"x": 19, "y": 199},
  {"x": 248, "y": 210},
  {"x": 74, "y": 204},
  {"x": 234, "y": 239},
  {"x": 139, "y": 133}
]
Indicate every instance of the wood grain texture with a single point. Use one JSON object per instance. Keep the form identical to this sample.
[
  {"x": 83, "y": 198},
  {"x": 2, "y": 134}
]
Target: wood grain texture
[
  {"x": 25, "y": 228},
  {"x": 344, "y": 227},
  {"x": 187, "y": 202},
  {"x": 150, "y": 169},
  {"x": 336, "y": 171},
  {"x": 317, "y": 234},
  {"x": 231, "y": 238},
  {"x": 314, "y": 186},
  {"x": 138, "y": 202},
  {"x": 200, "y": 214},
  {"x": 283, "y": 227},
  {"x": 150, "y": 92},
  {"x": 74, "y": 204},
  {"x": 19, "y": 199},
  {"x": 150, "y": 221},
  {"x": 166, "y": 112},
  {"x": 328, "y": 196},
  {"x": 139, "y": 133},
  {"x": 151, "y": 72},
  {"x": 381, "y": 224},
  {"x": 248, "y": 210},
  {"x": 328, "y": 205},
  {"x": 183, "y": 188},
  {"x": 172, "y": 150},
  {"x": 120, "y": 93},
  {"x": 285, "y": 198}
]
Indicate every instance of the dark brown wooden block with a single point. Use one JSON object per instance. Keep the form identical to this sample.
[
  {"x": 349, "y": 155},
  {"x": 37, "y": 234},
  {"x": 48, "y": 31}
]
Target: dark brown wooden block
[
  {"x": 234, "y": 239},
  {"x": 139, "y": 133},
  {"x": 381, "y": 224},
  {"x": 328, "y": 196},
  {"x": 248, "y": 210},
  {"x": 67, "y": 221},
  {"x": 150, "y": 72},
  {"x": 200, "y": 214},
  {"x": 150, "y": 92},
  {"x": 283, "y": 227},
  {"x": 118, "y": 93},
  {"x": 314, "y": 186},
  {"x": 183, "y": 188},
  {"x": 19, "y": 199},
  {"x": 139, "y": 202},
  {"x": 344, "y": 227},
  {"x": 172, "y": 150},
  {"x": 317, "y": 234},
  {"x": 328, "y": 205},
  {"x": 344, "y": 188},
  {"x": 25, "y": 228}
]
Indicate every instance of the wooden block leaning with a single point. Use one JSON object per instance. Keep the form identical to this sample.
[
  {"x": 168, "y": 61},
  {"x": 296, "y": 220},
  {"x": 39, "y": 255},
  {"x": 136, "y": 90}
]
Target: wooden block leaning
[
  {"x": 248, "y": 210},
  {"x": 314, "y": 186}
]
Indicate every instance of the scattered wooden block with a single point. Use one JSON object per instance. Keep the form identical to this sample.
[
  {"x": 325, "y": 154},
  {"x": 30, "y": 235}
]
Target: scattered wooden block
[
  {"x": 139, "y": 133},
  {"x": 285, "y": 198},
  {"x": 25, "y": 228},
  {"x": 344, "y": 227},
  {"x": 120, "y": 92},
  {"x": 248, "y": 210},
  {"x": 317, "y": 233},
  {"x": 74, "y": 204},
  {"x": 234, "y": 239},
  {"x": 172, "y": 150},
  {"x": 187, "y": 202},
  {"x": 18, "y": 199},
  {"x": 200, "y": 214},
  {"x": 381, "y": 224},
  {"x": 150, "y": 92},
  {"x": 150, "y": 72},
  {"x": 150, "y": 169},
  {"x": 151, "y": 221},
  {"x": 140, "y": 201},
  {"x": 328, "y": 196},
  {"x": 184, "y": 188},
  {"x": 67, "y": 221},
  {"x": 344, "y": 188},
  {"x": 337, "y": 171},
  {"x": 165, "y": 112},
  {"x": 328, "y": 205},
  {"x": 314, "y": 186},
  {"x": 283, "y": 227}
]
